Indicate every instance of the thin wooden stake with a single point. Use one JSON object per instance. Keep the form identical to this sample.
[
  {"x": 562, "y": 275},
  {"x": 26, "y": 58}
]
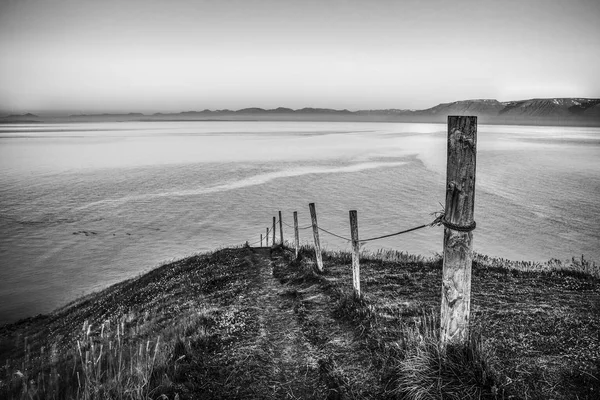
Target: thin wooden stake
[
  {"x": 280, "y": 228},
  {"x": 274, "y": 228},
  {"x": 315, "y": 226},
  {"x": 267, "y": 238},
  {"x": 458, "y": 245},
  {"x": 296, "y": 233},
  {"x": 355, "y": 253}
]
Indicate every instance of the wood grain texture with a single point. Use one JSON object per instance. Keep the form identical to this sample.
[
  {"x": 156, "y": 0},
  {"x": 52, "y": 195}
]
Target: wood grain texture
[
  {"x": 280, "y": 228},
  {"x": 296, "y": 234},
  {"x": 315, "y": 227},
  {"x": 355, "y": 252},
  {"x": 458, "y": 246}
]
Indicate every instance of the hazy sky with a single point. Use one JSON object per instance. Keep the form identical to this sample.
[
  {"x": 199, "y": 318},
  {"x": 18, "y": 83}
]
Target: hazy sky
[{"x": 178, "y": 55}]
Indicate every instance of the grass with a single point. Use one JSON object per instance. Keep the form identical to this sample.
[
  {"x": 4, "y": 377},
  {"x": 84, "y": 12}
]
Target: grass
[
  {"x": 256, "y": 323},
  {"x": 131, "y": 341},
  {"x": 535, "y": 331},
  {"x": 458, "y": 372}
]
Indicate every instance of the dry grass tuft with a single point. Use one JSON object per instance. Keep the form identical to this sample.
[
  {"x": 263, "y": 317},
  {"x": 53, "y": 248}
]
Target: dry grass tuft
[
  {"x": 102, "y": 363},
  {"x": 457, "y": 372}
]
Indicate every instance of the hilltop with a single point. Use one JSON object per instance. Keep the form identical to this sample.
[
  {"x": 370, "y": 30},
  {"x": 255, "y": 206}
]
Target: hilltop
[
  {"x": 257, "y": 323},
  {"x": 551, "y": 111}
]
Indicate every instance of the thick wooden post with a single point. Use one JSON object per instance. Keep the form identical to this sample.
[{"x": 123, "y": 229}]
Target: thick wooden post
[
  {"x": 280, "y": 228},
  {"x": 458, "y": 226},
  {"x": 355, "y": 253},
  {"x": 315, "y": 226},
  {"x": 267, "y": 238},
  {"x": 261, "y": 240},
  {"x": 274, "y": 222},
  {"x": 296, "y": 234}
]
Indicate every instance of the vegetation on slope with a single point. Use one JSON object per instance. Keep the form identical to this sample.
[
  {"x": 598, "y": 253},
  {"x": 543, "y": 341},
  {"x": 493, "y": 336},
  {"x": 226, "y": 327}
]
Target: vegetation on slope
[{"x": 254, "y": 323}]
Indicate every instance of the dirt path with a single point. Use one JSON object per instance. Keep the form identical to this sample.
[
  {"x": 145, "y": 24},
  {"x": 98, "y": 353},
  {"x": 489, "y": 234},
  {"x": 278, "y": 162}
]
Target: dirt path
[
  {"x": 296, "y": 348},
  {"x": 345, "y": 360},
  {"x": 278, "y": 361}
]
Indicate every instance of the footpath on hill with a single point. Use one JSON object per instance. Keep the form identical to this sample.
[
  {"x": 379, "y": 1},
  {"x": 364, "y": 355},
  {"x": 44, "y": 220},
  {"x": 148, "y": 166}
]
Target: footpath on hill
[
  {"x": 306, "y": 337},
  {"x": 282, "y": 339},
  {"x": 277, "y": 361},
  {"x": 256, "y": 323}
]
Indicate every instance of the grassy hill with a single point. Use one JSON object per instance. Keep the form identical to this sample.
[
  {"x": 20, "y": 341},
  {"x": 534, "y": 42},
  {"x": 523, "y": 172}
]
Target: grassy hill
[{"x": 255, "y": 323}]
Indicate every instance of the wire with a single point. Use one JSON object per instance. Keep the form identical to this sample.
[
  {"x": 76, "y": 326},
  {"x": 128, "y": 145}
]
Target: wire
[
  {"x": 395, "y": 234},
  {"x": 333, "y": 234},
  {"x": 290, "y": 226},
  {"x": 439, "y": 220}
]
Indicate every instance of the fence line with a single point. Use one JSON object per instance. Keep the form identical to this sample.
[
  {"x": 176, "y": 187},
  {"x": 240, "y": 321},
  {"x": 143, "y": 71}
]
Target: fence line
[
  {"x": 439, "y": 220},
  {"x": 458, "y": 222}
]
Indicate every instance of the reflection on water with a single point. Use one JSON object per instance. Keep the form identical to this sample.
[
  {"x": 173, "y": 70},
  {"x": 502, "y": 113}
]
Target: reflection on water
[{"x": 86, "y": 205}]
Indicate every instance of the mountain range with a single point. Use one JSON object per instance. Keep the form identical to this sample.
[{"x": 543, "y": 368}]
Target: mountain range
[{"x": 552, "y": 111}]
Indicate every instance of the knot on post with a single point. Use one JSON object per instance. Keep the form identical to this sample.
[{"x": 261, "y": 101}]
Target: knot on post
[{"x": 459, "y": 228}]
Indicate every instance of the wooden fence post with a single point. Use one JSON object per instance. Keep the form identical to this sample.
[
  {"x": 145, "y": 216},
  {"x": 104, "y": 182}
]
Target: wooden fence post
[
  {"x": 296, "y": 233},
  {"x": 315, "y": 226},
  {"x": 355, "y": 253},
  {"x": 458, "y": 226},
  {"x": 261, "y": 240},
  {"x": 267, "y": 238},
  {"x": 274, "y": 222},
  {"x": 280, "y": 228}
]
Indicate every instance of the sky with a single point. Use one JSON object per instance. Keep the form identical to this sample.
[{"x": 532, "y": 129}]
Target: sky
[{"x": 82, "y": 56}]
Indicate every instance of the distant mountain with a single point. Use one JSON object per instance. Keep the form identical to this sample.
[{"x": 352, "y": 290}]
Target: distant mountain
[
  {"x": 29, "y": 117},
  {"x": 549, "y": 107},
  {"x": 576, "y": 110},
  {"x": 389, "y": 111},
  {"x": 465, "y": 107},
  {"x": 556, "y": 111},
  {"x": 553, "y": 111},
  {"x": 111, "y": 116}
]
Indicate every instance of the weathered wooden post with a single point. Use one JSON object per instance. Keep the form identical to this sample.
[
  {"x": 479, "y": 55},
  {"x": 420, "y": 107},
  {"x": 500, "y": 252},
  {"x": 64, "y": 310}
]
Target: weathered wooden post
[
  {"x": 274, "y": 222},
  {"x": 296, "y": 233},
  {"x": 267, "y": 238},
  {"x": 458, "y": 226},
  {"x": 355, "y": 253},
  {"x": 315, "y": 226},
  {"x": 280, "y": 228},
  {"x": 261, "y": 240}
]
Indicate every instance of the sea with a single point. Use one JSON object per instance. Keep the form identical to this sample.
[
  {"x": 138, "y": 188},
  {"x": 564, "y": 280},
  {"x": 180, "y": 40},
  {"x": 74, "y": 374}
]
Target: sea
[{"x": 86, "y": 205}]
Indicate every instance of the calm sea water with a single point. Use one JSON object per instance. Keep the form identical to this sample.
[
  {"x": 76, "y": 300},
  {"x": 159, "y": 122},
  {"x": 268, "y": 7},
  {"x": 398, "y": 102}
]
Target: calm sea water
[{"x": 83, "y": 206}]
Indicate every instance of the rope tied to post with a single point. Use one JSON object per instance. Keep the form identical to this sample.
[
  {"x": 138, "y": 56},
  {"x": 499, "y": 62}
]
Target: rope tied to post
[
  {"x": 459, "y": 228},
  {"x": 440, "y": 219}
]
